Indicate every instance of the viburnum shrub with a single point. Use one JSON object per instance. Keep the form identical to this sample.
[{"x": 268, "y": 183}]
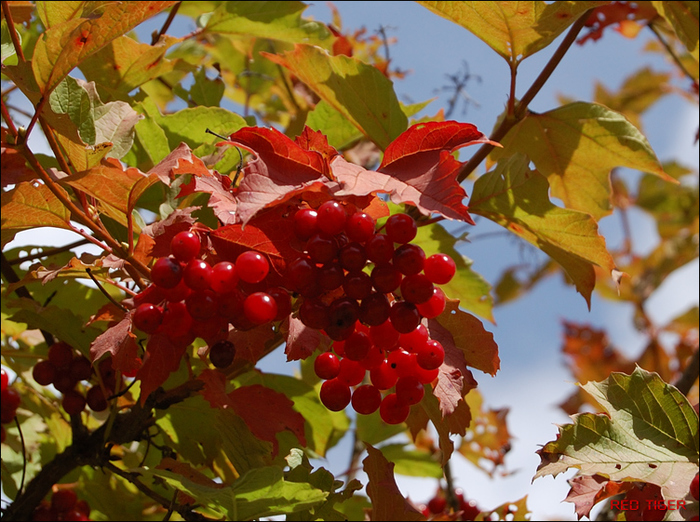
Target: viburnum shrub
[{"x": 278, "y": 262}]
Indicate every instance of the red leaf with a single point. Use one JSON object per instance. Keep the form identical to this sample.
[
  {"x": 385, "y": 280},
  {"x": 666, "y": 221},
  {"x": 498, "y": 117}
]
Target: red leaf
[
  {"x": 14, "y": 167},
  {"x": 252, "y": 344},
  {"x": 120, "y": 343},
  {"x": 221, "y": 200},
  {"x": 302, "y": 341},
  {"x": 180, "y": 161},
  {"x": 417, "y": 169},
  {"x": 312, "y": 140},
  {"x": 280, "y": 170},
  {"x": 587, "y": 490},
  {"x": 270, "y": 233},
  {"x": 162, "y": 358},
  {"x": 267, "y": 412},
  {"x": 387, "y": 501},
  {"x": 214, "y": 391}
]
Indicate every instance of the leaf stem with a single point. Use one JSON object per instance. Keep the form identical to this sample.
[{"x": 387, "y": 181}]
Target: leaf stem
[
  {"x": 166, "y": 25},
  {"x": 520, "y": 107},
  {"x": 671, "y": 52},
  {"x": 101, "y": 288},
  {"x": 13, "y": 31},
  {"x": 8, "y": 119},
  {"x": 24, "y": 456}
]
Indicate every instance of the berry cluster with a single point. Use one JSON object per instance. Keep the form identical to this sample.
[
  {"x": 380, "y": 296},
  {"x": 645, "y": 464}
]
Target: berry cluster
[
  {"x": 190, "y": 298},
  {"x": 372, "y": 315},
  {"x": 10, "y": 402},
  {"x": 65, "y": 369},
  {"x": 64, "y": 505},
  {"x": 437, "y": 506}
]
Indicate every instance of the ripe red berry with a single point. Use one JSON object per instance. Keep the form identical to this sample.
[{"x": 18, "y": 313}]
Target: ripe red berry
[
  {"x": 260, "y": 308},
  {"x": 331, "y": 218},
  {"x": 470, "y": 510},
  {"x": 148, "y": 317},
  {"x": 63, "y": 500},
  {"x": 327, "y": 366},
  {"x": 185, "y": 246},
  {"x": 222, "y": 354},
  {"x": 374, "y": 309},
  {"x": 330, "y": 276},
  {"x": 80, "y": 368},
  {"x": 357, "y": 285},
  {"x": 73, "y": 402},
  {"x": 314, "y": 314},
  {"x": 360, "y": 227},
  {"x": 166, "y": 272},
  {"x": 351, "y": 372},
  {"x": 201, "y": 305},
  {"x": 366, "y": 399},
  {"x": 301, "y": 273},
  {"x": 404, "y": 316},
  {"x": 694, "y": 488},
  {"x": 383, "y": 376},
  {"x": 343, "y": 314},
  {"x": 305, "y": 223},
  {"x": 409, "y": 259},
  {"x": 433, "y": 306},
  {"x": 352, "y": 257},
  {"x": 403, "y": 362},
  {"x": 5, "y": 380},
  {"x": 335, "y": 395},
  {"x": 380, "y": 249},
  {"x": 177, "y": 321},
  {"x": 401, "y": 228},
  {"x": 283, "y": 301},
  {"x": 10, "y": 399},
  {"x": 252, "y": 267},
  {"x": 414, "y": 339},
  {"x": 430, "y": 355},
  {"x": 440, "y": 268},
  {"x": 321, "y": 248},
  {"x": 409, "y": 390},
  {"x": 224, "y": 278},
  {"x": 437, "y": 504},
  {"x": 95, "y": 399},
  {"x": 44, "y": 372},
  {"x": 373, "y": 359},
  {"x": 386, "y": 278},
  {"x": 417, "y": 288},
  {"x": 357, "y": 346},
  {"x": 60, "y": 354},
  {"x": 392, "y": 411},
  {"x": 384, "y": 335}
]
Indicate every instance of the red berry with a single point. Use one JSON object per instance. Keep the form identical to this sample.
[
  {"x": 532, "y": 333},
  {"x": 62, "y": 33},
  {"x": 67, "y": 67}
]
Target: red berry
[
  {"x": 201, "y": 305},
  {"x": 409, "y": 259},
  {"x": 357, "y": 346},
  {"x": 366, "y": 399},
  {"x": 95, "y": 399},
  {"x": 430, "y": 355},
  {"x": 380, "y": 249},
  {"x": 177, "y": 321},
  {"x": 321, "y": 248},
  {"x": 384, "y": 336},
  {"x": 197, "y": 274},
  {"x": 327, "y": 366},
  {"x": 305, "y": 223},
  {"x": 63, "y": 500},
  {"x": 223, "y": 279},
  {"x": 44, "y": 513},
  {"x": 440, "y": 268},
  {"x": 357, "y": 285},
  {"x": 166, "y": 272},
  {"x": 414, "y": 339},
  {"x": 10, "y": 399},
  {"x": 403, "y": 362},
  {"x": 351, "y": 372},
  {"x": 330, "y": 276},
  {"x": 80, "y": 368},
  {"x": 374, "y": 309},
  {"x": 343, "y": 313},
  {"x": 386, "y": 278},
  {"x": 283, "y": 301},
  {"x": 148, "y": 318},
  {"x": 383, "y": 376},
  {"x": 185, "y": 246},
  {"x": 252, "y": 267},
  {"x": 437, "y": 504},
  {"x": 335, "y": 395},
  {"x": 352, "y": 257},
  {"x": 694, "y": 488},
  {"x": 401, "y": 228},
  {"x": 5, "y": 380},
  {"x": 331, "y": 218},
  {"x": 373, "y": 359},
  {"x": 73, "y": 402},
  {"x": 404, "y": 316},
  {"x": 222, "y": 354},
  {"x": 314, "y": 314},
  {"x": 44, "y": 372},
  {"x": 60, "y": 354},
  {"x": 392, "y": 411},
  {"x": 302, "y": 273},
  {"x": 470, "y": 510},
  {"x": 417, "y": 288},
  {"x": 433, "y": 306},
  {"x": 260, "y": 308},
  {"x": 360, "y": 227},
  {"x": 409, "y": 390}
]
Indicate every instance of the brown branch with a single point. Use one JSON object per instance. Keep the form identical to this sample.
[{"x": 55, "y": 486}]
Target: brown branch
[
  {"x": 8, "y": 119},
  {"x": 520, "y": 109},
  {"x": 102, "y": 289},
  {"x": 166, "y": 25},
  {"x": 13, "y": 32},
  {"x": 690, "y": 374}
]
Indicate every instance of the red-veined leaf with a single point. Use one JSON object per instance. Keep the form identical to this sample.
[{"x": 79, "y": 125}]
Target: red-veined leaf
[
  {"x": 162, "y": 358},
  {"x": 587, "y": 490},
  {"x": 120, "y": 343}
]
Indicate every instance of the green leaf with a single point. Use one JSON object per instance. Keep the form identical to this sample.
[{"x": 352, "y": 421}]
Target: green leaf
[
  {"x": 517, "y": 198},
  {"x": 274, "y": 20},
  {"x": 515, "y": 30},
  {"x": 575, "y": 147},
  {"x": 412, "y": 463},
  {"x": 190, "y": 125},
  {"x": 339, "y": 131},
  {"x": 649, "y": 433},
  {"x": 260, "y": 492},
  {"x": 472, "y": 290},
  {"x": 66, "y": 45},
  {"x": 360, "y": 92},
  {"x": 206, "y": 92},
  {"x": 29, "y": 206},
  {"x": 8, "y": 48},
  {"x": 683, "y": 17},
  {"x": 674, "y": 207}
]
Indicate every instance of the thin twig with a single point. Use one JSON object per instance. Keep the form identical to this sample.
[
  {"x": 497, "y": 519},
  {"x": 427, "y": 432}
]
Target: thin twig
[
  {"x": 166, "y": 25},
  {"x": 8, "y": 119},
  {"x": 102, "y": 289},
  {"x": 13, "y": 32},
  {"x": 49, "y": 252},
  {"x": 690, "y": 374},
  {"x": 671, "y": 52},
  {"x": 24, "y": 456}
]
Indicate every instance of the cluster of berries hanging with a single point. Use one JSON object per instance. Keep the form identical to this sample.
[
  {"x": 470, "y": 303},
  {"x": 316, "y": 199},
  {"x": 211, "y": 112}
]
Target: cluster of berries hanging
[
  {"x": 65, "y": 369},
  {"x": 65, "y": 505},
  {"x": 10, "y": 402},
  {"x": 367, "y": 289}
]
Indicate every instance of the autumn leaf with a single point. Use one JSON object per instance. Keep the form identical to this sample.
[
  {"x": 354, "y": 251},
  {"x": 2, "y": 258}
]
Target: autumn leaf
[
  {"x": 66, "y": 45},
  {"x": 575, "y": 147},
  {"x": 180, "y": 161},
  {"x": 387, "y": 501},
  {"x": 587, "y": 490},
  {"x": 120, "y": 343},
  {"x": 683, "y": 17},
  {"x": 517, "y": 198},
  {"x": 161, "y": 359},
  {"x": 280, "y": 169},
  {"x": 648, "y": 433},
  {"x": 302, "y": 341}
]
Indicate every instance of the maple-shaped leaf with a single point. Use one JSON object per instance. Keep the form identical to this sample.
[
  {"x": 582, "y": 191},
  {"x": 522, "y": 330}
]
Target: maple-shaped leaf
[
  {"x": 252, "y": 344},
  {"x": 517, "y": 198},
  {"x": 418, "y": 168},
  {"x": 32, "y": 205},
  {"x": 268, "y": 233},
  {"x": 120, "y": 343},
  {"x": 387, "y": 501},
  {"x": 14, "y": 166},
  {"x": 221, "y": 198},
  {"x": 302, "y": 341},
  {"x": 279, "y": 170},
  {"x": 161, "y": 359},
  {"x": 66, "y": 45},
  {"x": 180, "y": 161},
  {"x": 587, "y": 490},
  {"x": 648, "y": 433},
  {"x": 187, "y": 471}
]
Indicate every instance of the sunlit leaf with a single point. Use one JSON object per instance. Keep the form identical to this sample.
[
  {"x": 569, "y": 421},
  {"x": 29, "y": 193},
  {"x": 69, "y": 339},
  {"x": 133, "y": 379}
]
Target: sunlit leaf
[{"x": 683, "y": 17}]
